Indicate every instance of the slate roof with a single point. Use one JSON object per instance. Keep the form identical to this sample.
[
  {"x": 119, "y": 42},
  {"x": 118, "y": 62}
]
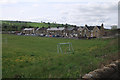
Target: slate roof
[
  {"x": 43, "y": 28},
  {"x": 70, "y": 28},
  {"x": 28, "y": 29},
  {"x": 81, "y": 28},
  {"x": 56, "y": 29},
  {"x": 90, "y": 27},
  {"x": 99, "y": 27},
  {"x": 37, "y": 29}
]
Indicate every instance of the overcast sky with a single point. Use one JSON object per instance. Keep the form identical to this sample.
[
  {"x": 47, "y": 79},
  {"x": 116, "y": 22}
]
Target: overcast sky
[{"x": 76, "y": 12}]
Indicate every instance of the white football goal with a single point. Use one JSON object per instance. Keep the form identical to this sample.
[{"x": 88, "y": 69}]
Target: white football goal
[{"x": 65, "y": 48}]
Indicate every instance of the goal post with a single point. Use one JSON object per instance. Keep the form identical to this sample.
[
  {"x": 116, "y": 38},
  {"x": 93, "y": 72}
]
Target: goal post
[{"x": 65, "y": 48}]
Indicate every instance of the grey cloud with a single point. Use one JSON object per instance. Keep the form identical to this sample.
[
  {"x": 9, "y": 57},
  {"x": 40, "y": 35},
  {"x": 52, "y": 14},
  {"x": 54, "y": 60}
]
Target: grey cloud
[
  {"x": 81, "y": 14},
  {"x": 94, "y": 13}
]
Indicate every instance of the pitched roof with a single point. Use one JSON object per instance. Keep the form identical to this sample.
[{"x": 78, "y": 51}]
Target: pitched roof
[
  {"x": 43, "y": 28},
  {"x": 76, "y": 28},
  {"x": 81, "y": 28},
  {"x": 56, "y": 29},
  {"x": 37, "y": 29},
  {"x": 99, "y": 27},
  {"x": 90, "y": 27},
  {"x": 28, "y": 28},
  {"x": 70, "y": 28}
]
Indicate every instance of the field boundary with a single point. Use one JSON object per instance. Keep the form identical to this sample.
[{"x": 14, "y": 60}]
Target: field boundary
[{"x": 109, "y": 71}]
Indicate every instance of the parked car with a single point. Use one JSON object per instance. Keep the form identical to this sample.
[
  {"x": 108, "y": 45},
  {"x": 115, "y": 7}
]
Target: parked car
[
  {"x": 50, "y": 35},
  {"x": 57, "y": 35},
  {"x": 46, "y": 35},
  {"x": 18, "y": 33},
  {"x": 42, "y": 35},
  {"x": 53, "y": 35}
]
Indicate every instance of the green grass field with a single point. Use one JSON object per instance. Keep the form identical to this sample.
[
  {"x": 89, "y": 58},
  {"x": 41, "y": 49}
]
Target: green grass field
[{"x": 37, "y": 57}]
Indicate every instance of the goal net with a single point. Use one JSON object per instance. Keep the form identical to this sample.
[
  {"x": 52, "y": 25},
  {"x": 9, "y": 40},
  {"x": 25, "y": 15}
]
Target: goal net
[{"x": 65, "y": 48}]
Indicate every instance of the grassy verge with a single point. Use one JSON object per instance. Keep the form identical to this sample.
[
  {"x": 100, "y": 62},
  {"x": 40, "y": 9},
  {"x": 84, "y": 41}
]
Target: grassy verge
[{"x": 37, "y": 57}]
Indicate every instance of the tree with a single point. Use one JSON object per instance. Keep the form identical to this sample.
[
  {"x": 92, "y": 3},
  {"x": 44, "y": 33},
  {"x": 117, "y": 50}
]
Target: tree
[
  {"x": 22, "y": 27},
  {"x": 13, "y": 28},
  {"x": 16, "y": 28},
  {"x": 48, "y": 23},
  {"x": 62, "y": 25},
  {"x": 5, "y": 28},
  {"x": 30, "y": 27}
]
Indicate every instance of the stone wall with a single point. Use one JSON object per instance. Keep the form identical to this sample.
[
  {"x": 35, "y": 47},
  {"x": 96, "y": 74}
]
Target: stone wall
[{"x": 108, "y": 72}]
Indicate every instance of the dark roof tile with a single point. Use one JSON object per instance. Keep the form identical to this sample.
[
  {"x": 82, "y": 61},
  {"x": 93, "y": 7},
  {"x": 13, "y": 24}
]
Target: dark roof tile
[
  {"x": 99, "y": 27},
  {"x": 90, "y": 27}
]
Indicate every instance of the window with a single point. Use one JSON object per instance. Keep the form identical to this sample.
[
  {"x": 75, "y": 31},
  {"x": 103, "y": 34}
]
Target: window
[{"x": 85, "y": 31}]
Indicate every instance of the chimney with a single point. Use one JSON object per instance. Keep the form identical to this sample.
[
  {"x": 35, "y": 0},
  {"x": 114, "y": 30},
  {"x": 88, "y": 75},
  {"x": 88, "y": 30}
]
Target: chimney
[
  {"x": 85, "y": 25},
  {"x": 102, "y": 25}
]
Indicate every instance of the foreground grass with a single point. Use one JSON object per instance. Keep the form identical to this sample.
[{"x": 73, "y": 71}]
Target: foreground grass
[{"x": 37, "y": 57}]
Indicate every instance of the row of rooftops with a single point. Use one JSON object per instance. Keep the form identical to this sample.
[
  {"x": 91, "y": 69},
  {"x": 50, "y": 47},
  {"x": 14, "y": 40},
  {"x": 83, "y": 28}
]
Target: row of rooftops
[
  {"x": 63, "y": 28},
  {"x": 56, "y": 29},
  {"x": 92, "y": 27}
]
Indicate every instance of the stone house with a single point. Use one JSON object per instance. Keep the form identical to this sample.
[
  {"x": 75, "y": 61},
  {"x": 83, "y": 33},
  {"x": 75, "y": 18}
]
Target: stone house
[
  {"x": 86, "y": 31},
  {"x": 42, "y": 30},
  {"x": 75, "y": 32},
  {"x": 28, "y": 31},
  {"x": 80, "y": 31},
  {"x": 98, "y": 31},
  {"x": 71, "y": 32},
  {"x": 56, "y": 31},
  {"x": 93, "y": 31}
]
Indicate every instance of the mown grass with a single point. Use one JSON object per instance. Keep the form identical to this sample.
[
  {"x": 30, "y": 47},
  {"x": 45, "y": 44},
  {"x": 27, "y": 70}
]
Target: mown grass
[{"x": 37, "y": 57}]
